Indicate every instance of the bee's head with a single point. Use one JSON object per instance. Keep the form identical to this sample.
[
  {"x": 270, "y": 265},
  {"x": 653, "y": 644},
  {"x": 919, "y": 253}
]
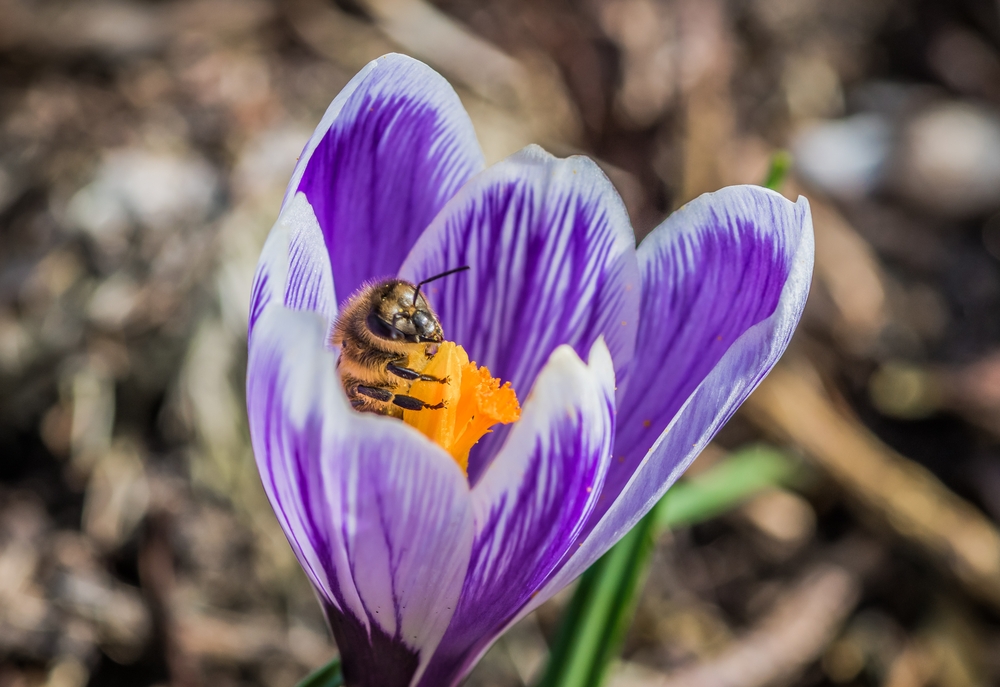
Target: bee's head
[{"x": 400, "y": 313}]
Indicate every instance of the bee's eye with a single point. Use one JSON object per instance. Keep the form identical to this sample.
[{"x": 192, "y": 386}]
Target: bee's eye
[{"x": 380, "y": 327}]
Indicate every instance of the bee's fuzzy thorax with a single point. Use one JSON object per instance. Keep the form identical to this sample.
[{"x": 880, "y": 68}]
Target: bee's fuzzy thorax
[
  {"x": 352, "y": 326},
  {"x": 365, "y": 356}
]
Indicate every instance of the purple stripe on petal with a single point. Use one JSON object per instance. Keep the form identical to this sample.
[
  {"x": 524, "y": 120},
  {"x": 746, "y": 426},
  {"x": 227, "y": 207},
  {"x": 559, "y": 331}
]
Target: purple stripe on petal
[
  {"x": 333, "y": 111},
  {"x": 730, "y": 381},
  {"x": 710, "y": 272},
  {"x": 261, "y": 294},
  {"x": 553, "y": 262},
  {"x": 294, "y": 269},
  {"x": 269, "y": 279},
  {"x": 286, "y": 405},
  {"x": 379, "y": 517},
  {"x": 310, "y": 282},
  {"x": 369, "y": 656},
  {"x": 393, "y": 151},
  {"x": 532, "y": 502}
]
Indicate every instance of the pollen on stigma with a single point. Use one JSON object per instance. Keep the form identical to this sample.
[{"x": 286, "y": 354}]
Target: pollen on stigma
[{"x": 473, "y": 400}]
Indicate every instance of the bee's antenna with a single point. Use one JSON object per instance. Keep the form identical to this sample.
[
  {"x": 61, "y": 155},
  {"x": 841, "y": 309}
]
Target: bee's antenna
[{"x": 435, "y": 278}]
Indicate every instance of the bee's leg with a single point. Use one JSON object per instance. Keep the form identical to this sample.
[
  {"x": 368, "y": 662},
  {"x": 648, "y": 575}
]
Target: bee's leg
[
  {"x": 411, "y": 375},
  {"x": 404, "y": 402},
  {"x": 367, "y": 404},
  {"x": 411, "y": 403},
  {"x": 376, "y": 392}
]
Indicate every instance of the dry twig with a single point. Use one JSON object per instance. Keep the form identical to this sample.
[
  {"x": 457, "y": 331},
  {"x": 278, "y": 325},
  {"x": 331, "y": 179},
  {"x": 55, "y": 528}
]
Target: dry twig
[
  {"x": 785, "y": 641},
  {"x": 904, "y": 495}
]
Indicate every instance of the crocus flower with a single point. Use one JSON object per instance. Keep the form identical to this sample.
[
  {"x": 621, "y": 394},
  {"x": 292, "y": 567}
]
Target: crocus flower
[{"x": 626, "y": 361}]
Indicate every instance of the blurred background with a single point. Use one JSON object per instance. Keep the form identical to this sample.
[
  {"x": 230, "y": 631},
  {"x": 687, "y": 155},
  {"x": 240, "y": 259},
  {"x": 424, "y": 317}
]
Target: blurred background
[{"x": 144, "y": 149}]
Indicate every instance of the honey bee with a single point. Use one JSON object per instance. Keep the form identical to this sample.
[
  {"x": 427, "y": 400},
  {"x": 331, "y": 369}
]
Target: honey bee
[{"x": 378, "y": 331}]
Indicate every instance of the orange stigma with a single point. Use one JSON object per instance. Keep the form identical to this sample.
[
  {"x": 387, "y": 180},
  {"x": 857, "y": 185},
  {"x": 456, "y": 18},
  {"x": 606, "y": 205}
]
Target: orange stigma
[{"x": 473, "y": 400}]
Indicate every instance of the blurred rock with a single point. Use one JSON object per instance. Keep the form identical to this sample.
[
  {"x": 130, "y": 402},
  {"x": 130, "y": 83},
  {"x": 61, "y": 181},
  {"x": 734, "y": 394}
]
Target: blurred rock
[
  {"x": 97, "y": 608},
  {"x": 115, "y": 27},
  {"x": 966, "y": 62},
  {"x": 119, "y": 28},
  {"x": 644, "y": 30},
  {"x": 948, "y": 160},
  {"x": 843, "y": 660},
  {"x": 904, "y": 391},
  {"x": 845, "y": 158},
  {"x": 812, "y": 87},
  {"x": 52, "y": 277},
  {"x": 151, "y": 189},
  {"x": 870, "y": 643},
  {"x": 68, "y": 672},
  {"x": 113, "y": 301},
  {"x": 784, "y": 516},
  {"x": 27, "y": 625},
  {"x": 93, "y": 415},
  {"x": 889, "y": 98},
  {"x": 116, "y": 610},
  {"x": 117, "y": 496},
  {"x": 945, "y": 158},
  {"x": 227, "y": 636},
  {"x": 15, "y": 344},
  {"x": 8, "y": 190}
]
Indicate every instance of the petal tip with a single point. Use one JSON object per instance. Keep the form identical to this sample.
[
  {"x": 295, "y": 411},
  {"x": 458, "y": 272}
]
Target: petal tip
[{"x": 599, "y": 360}]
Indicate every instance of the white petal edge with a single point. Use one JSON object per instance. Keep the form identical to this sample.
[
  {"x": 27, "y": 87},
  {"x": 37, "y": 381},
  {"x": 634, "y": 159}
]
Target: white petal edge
[
  {"x": 305, "y": 376},
  {"x": 541, "y": 275},
  {"x": 294, "y": 269},
  {"x": 564, "y": 385},
  {"x": 329, "y": 117},
  {"x": 534, "y": 499},
  {"x": 684, "y": 436}
]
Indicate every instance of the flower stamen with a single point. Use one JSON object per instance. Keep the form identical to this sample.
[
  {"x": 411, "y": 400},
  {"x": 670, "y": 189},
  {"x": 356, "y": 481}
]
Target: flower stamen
[{"x": 473, "y": 400}]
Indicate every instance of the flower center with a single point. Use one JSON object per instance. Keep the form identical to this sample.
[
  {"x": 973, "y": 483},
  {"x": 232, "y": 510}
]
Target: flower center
[{"x": 473, "y": 401}]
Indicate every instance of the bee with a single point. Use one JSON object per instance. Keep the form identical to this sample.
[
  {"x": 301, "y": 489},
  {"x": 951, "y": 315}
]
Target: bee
[{"x": 379, "y": 329}]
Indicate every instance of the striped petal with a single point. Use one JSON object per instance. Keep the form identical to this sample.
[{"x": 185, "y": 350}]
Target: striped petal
[
  {"x": 553, "y": 262},
  {"x": 725, "y": 280},
  {"x": 390, "y": 151},
  {"x": 379, "y": 517},
  {"x": 532, "y": 502},
  {"x": 294, "y": 268}
]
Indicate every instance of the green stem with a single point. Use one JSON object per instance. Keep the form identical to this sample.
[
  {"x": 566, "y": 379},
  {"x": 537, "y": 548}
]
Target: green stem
[
  {"x": 597, "y": 619},
  {"x": 781, "y": 164},
  {"x": 327, "y": 676}
]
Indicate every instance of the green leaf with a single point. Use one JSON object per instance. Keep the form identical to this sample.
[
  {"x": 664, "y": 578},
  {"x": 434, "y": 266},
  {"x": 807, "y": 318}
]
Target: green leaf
[
  {"x": 725, "y": 486},
  {"x": 781, "y": 164},
  {"x": 595, "y": 622},
  {"x": 327, "y": 676},
  {"x": 597, "y": 618}
]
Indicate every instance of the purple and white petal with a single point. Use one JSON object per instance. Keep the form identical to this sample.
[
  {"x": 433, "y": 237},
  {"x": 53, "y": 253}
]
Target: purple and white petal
[
  {"x": 532, "y": 502},
  {"x": 333, "y": 111},
  {"x": 294, "y": 268},
  {"x": 379, "y": 517},
  {"x": 699, "y": 268},
  {"x": 714, "y": 269},
  {"x": 391, "y": 150},
  {"x": 553, "y": 262}
]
